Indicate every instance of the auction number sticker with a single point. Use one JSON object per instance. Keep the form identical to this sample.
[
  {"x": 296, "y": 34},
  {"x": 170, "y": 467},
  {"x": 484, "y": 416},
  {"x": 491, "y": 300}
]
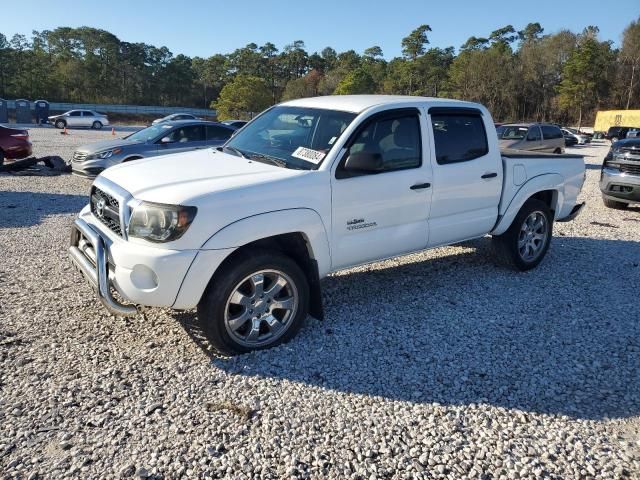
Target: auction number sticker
[{"x": 308, "y": 154}]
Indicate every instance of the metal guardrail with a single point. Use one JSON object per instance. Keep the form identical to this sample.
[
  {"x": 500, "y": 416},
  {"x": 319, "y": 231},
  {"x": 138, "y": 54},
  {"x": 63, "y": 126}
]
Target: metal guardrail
[{"x": 104, "y": 108}]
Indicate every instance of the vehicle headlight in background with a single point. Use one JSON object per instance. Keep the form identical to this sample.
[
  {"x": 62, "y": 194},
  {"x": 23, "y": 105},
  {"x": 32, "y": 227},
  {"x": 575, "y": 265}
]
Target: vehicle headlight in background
[
  {"x": 160, "y": 223},
  {"x": 104, "y": 154}
]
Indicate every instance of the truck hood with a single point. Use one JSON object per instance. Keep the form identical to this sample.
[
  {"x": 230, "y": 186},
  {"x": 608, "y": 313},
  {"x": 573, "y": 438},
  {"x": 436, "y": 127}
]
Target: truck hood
[
  {"x": 107, "y": 145},
  {"x": 183, "y": 178}
]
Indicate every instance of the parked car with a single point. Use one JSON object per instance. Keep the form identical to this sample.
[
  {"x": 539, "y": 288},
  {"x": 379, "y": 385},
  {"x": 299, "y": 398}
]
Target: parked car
[
  {"x": 577, "y": 131},
  {"x": 311, "y": 186},
  {"x": 620, "y": 175},
  {"x": 534, "y": 137},
  {"x": 162, "y": 139},
  {"x": 79, "y": 118},
  {"x": 570, "y": 140},
  {"x": 580, "y": 138},
  {"x": 617, "y": 133},
  {"x": 174, "y": 117},
  {"x": 235, "y": 123},
  {"x": 14, "y": 144}
]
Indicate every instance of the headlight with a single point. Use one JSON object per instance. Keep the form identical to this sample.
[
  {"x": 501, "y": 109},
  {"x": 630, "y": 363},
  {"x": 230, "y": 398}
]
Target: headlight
[
  {"x": 159, "y": 223},
  {"x": 104, "y": 154}
]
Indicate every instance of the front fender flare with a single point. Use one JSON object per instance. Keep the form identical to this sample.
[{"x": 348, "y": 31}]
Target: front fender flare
[
  {"x": 547, "y": 181},
  {"x": 241, "y": 232}
]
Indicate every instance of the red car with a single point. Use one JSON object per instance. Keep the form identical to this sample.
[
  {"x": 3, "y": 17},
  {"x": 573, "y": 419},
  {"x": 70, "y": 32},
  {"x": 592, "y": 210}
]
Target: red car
[{"x": 14, "y": 144}]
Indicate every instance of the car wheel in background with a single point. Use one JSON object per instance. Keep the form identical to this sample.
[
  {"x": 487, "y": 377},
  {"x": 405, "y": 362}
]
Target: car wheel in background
[
  {"x": 60, "y": 124},
  {"x": 96, "y": 125},
  {"x": 1, "y": 157},
  {"x": 527, "y": 240},
  {"x": 614, "y": 139},
  {"x": 557, "y": 151},
  {"x": 257, "y": 300},
  {"x": 615, "y": 205}
]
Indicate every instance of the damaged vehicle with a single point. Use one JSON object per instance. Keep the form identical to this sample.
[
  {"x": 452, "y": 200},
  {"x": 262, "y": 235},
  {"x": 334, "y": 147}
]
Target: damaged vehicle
[{"x": 245, "y": 232}]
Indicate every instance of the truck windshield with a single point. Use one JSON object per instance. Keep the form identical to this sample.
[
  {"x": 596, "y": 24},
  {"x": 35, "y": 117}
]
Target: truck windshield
[
  {"x": 511, "y": 132},
  {"x": 292, "y": 137}
]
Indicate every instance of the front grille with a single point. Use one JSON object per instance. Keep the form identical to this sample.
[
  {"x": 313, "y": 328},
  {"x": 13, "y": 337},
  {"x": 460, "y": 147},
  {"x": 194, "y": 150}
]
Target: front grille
[
  {"x": 106, "y": 208},
  {"x": 630, "y": 151},
  {"x": 630, "y": 169},
  {"x": 80, "y": 156}
]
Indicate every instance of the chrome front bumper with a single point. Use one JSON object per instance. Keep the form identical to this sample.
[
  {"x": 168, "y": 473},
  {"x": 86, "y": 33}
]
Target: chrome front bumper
[
  {"x": 620, "y": 186},
  {"x": 89, "y": 254}
]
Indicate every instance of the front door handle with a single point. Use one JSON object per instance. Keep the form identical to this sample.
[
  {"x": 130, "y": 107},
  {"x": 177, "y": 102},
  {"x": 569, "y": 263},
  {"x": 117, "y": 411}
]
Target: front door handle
[
  {"x": 489, "y": 175},
  {"x": 420, "y": 186}
]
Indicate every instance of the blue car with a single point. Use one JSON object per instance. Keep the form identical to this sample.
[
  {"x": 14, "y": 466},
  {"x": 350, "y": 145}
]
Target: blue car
[{"x": 161, "y": 139}]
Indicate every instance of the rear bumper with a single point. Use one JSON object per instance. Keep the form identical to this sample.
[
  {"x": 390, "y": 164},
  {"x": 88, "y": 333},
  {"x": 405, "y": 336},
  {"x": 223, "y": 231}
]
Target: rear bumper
[
  {"x": 619, "y": 186},
  {"x": 18, "y": 151}
]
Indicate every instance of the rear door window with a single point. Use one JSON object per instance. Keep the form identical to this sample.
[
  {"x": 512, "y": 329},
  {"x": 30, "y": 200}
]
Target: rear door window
[
  {"x": 215, "y": 132},
  {"x": 534, "y": 134},
  {"x": 550, "y": 132},
  {"x": 458, "y": 137}
]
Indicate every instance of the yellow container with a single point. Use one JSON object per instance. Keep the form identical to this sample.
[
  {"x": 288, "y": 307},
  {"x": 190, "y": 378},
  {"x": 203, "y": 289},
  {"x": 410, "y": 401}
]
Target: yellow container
[{"x": 616, "y": 118}]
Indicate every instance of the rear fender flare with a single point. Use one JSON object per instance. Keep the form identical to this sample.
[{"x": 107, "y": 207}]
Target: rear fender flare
[{"x": 548, "y": 181}]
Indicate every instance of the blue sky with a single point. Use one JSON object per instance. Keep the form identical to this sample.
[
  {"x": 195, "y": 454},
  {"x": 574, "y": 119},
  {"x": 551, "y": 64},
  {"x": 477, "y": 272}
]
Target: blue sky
[{"x": 200, "y": 27}]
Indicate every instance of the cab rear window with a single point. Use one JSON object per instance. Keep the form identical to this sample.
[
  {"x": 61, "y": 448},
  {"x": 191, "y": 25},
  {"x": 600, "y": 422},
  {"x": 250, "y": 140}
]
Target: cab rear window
[{"x": 458, "y": 137}]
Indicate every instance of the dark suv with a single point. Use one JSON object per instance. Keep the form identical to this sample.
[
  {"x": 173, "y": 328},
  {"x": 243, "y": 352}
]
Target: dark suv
[
  {"x": 620, "y": 177},
  {"x": 617, "y": 133}
]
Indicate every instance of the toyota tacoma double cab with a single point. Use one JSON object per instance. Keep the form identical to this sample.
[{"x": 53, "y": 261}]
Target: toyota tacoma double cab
[{"x": 244, "y": 232}]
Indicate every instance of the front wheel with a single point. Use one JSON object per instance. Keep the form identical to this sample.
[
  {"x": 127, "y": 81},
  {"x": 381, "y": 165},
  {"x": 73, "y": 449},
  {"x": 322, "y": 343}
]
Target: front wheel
[
  {"x": 527, "y": 240},
  {"x": 258, "y": 300},
  {"x": 60, "y": 124}
]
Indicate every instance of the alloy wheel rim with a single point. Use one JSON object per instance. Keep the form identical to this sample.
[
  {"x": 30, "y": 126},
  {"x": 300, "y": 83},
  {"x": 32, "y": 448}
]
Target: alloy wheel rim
[
  {"x": 533, "y": 236},
  {"x": 261, "y": 308}
]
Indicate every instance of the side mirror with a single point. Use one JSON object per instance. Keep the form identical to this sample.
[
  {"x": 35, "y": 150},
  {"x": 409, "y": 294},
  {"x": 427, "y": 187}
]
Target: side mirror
[
  {"x": 166, "y": 140},
  {"x": 364, "y": 162}
]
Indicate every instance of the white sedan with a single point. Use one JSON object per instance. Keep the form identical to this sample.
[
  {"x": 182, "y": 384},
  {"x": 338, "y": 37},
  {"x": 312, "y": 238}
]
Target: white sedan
[
  {"x": 80, "y": 118},
  {"x": 580, "y": 137}
]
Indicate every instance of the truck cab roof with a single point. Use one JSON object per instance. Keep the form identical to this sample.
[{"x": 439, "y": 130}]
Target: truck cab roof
[{"x": 360, "y": 103}]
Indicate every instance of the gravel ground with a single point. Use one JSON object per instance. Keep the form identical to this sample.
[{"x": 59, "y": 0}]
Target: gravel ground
[{"x": 434, "y": 365}]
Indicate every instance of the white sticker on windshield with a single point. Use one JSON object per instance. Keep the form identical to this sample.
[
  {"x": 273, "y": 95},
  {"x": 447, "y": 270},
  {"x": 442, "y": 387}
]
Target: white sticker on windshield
[
  {"x": 333, "y": 139},
  {"x": 313, "y": 156}
]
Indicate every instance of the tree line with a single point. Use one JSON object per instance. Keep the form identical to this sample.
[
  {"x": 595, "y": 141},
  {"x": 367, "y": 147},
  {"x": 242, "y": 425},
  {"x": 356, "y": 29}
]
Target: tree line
[{"x": 518, "y": 74}]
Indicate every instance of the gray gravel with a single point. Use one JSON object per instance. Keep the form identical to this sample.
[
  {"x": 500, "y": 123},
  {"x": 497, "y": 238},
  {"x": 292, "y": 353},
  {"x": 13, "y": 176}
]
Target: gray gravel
[{"x": 435, "y": 365}]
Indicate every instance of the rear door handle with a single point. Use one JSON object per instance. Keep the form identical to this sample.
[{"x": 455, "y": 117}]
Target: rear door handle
[
  {"x": 420, "y": 186},
  {"x": 489, "y": 175}
]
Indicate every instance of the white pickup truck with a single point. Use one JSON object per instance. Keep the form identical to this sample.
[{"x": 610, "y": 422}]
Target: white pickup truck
[{"x": 246, "y": 231}]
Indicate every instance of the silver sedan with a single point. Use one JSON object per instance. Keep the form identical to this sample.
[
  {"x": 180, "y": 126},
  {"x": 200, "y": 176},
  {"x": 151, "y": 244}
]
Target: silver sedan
[{"x": 162, "y": 139}]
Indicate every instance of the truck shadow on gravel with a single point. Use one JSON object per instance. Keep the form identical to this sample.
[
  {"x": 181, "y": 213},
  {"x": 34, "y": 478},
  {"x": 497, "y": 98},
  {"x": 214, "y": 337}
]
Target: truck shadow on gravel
[
  {"x": 458, "y": 330},
  {"x": 25, "y": 209}
]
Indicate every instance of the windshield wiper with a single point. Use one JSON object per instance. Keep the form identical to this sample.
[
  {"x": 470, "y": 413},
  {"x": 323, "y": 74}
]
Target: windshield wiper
[
  {"x": 239, "y": 153},
  {"x": 265, "y": 158}
]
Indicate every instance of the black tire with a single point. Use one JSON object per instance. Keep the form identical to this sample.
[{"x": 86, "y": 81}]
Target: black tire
[
  {"x": 614, "y": 139},
  {"x": 613, "y": 204},
  {"x": 557, "y": 151},
  {"x": 60, "y": 124},
  {"x": 229, "y": 279},
  {"x": 1, "y": 157},
  {"x": 96, "y": 125},
  {"x": 506, "y": 245}
]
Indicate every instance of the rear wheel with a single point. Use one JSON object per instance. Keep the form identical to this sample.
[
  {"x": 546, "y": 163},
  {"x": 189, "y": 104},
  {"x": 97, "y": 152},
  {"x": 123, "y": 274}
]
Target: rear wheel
[
  {"x": 257, "y": 301},
  {"x": 1, "y": 157},
  {"x": 96, "y": 125},
  {"x": 557, "y": 151},
  {"x": 60, "y": 124},
  {"x": 614, "y": 204},
  {"x": 527, "y": 240}
]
